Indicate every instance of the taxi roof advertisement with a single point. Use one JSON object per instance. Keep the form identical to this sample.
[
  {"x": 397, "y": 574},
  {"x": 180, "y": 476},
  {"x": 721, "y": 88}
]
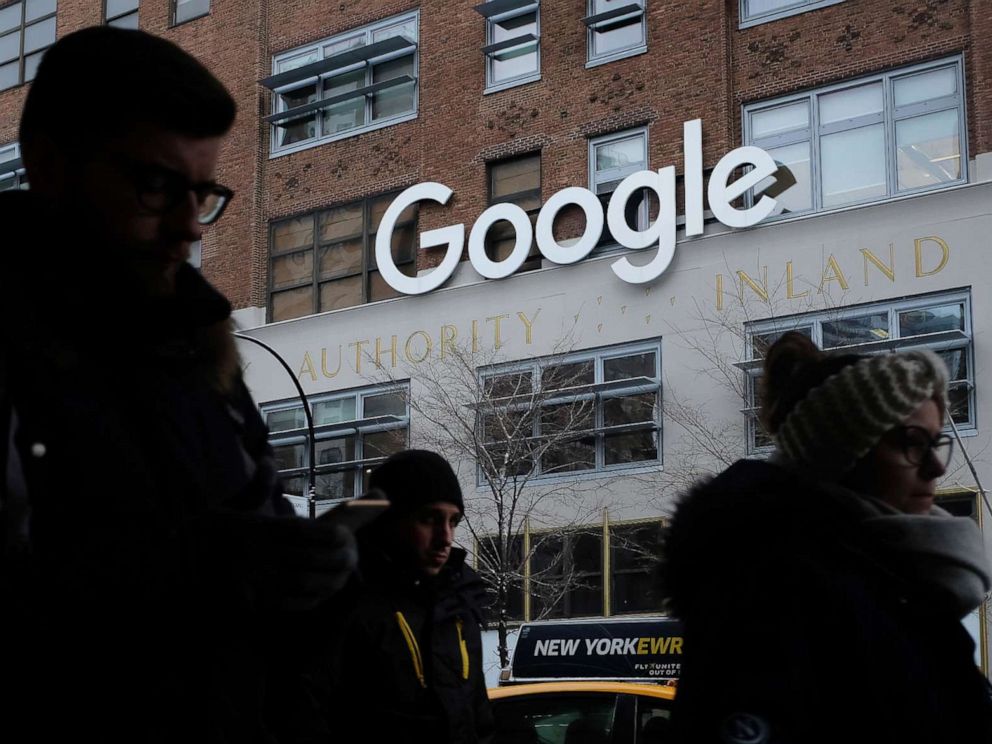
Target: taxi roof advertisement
[{"x": 648, "y": 650}]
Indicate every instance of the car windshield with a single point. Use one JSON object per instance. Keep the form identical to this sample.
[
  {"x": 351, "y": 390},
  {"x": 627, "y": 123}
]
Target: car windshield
[{"x": 555, "y": 719}]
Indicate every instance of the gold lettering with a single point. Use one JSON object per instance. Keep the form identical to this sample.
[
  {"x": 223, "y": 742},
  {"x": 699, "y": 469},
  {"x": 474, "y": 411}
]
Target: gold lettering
[
  {"x": 836, "y": 276},
  {"x": 759, "y": 289},
  {"x": 428, "y": 345},
  {"x": 719, "y": 291},
  {"x": 498, "y": 319},
  {"x": 642, "y": 646},
  {"x": 676, "y": 646},
  {"x": 307, "y": 367},
  {"x": 528, "y": 325},
  {"x": 945, "y": 252},
  {"x": 659, "y": 645},
  {"x": 358, "y": 353},
  {"x": 323, "y": 363},
  {"x": 475, "y": 336},
  {"x": 889, "y": 271},
  {"x": 790, "y": 285},
  {"x": 379, "y": 350},
  {"x": 449, "y": 334}
]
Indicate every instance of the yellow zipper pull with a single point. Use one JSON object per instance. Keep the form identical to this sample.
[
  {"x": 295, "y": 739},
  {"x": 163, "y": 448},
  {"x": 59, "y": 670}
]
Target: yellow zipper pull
[
  {"x": 462, "y": 647},
  {"x": 411, "y": 643}
]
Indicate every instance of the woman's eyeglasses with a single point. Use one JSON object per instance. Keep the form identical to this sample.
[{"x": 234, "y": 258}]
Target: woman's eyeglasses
[{"x": 917, "y": 444}]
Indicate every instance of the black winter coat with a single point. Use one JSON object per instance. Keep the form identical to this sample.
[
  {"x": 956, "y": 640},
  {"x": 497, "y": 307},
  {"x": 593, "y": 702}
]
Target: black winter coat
[
  {"x": 137, "y": 606},
  {"x": 799, "y": 631},
  {"x": 402, "y": 657}
]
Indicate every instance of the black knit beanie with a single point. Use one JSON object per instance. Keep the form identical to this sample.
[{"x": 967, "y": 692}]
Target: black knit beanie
[{"x": 412, "y": 478}]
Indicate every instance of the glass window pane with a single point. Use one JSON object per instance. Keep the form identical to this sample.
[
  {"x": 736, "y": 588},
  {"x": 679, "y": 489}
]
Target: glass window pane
[
  {"x": 850, "y": 103},
  {"x": 624, "y": 153},
  {"x": 10, "y": 75},
  {"x": 385, "y": 404},
  {"x": 294, "y": 486},
  {"x": 334, "y": 451},
  {"x": 344, "y": 116},
  {"x": 857, "y": 330},
  {"x": 957, "y": 363},
  {"x": 568, "y": 374},
  {"x": 396, "y": 100},
  {"x": 187, "y": 9},
  {"x": 341, "y": 293},
  {"x": 292, "y": 303},
  {"x": 10, "y": 46},
  {"x": 8, "y": 182},
  {"x": 587, "y": 551},
  {"x": 37, "y": 8},
  {"x": 798, "y": 197},
  {"x": 10, "y": 17},
  {"x": 120, "y": 7},
  {"x": 635, "y": 592},
  {"x": 291, "y": 234},
  {"x": 759, "y": 7},
  {"x": 624, "y": 368},
  {"x": 761, "y": 341},
  {"x": 853, "y": 165},
  {"x": 516, "y": 61},
  {"x": 513, "y": 176},
  {"x": 39, "y": 35},
  {"x": 292, "y": 269},
  {"x": 635, "y": 548},
  {"x": 630, "y": 409},
  {"x": 128, "y": 21},
  {"x": 779, "y": 119},
  {"x": 341, "y": 222},
  {"x": 571, "y": 445},
  {"x": 340, "y": 258},
  {"x": 31, "y": 63},
  {"x": 343, "y": 45},
  {"x": 402, "y": 247},
  {"x": 379, "y": 206},
  {"x": 925, "y": 86},
  {"x": 614, "y": 37},
  {"x": 334, "y": 411},
  {"x": 585, "y": 597},
  {"x": 286, "y": 419},
  {"x": 506, "y": 385},
  {"x": 407, "y": 29},
  {"x": 548, "y": 718},
  {"x": 291, "y": 63},
  {"x": 928, "y": 149},
  {"x": 932, "y": 320},
  {"x": 634, "y": 446},
  {"x": 384, "y": 443},
  {"x": 379, "y": 289},
  {"x": 298, "y": 130},
  {"x": 289, "y": 456},
  {"x": 339, "y": 485}
]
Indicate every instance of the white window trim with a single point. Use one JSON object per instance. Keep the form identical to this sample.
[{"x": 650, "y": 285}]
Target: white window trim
[
  {"x": 8, "y": 154},
  {"x": 276, "y": 151},
  {"x": 597, "y": 357},
  {"x": 621, "y": 173},
  {"x": 752, "y": 367},
  {"x": 889, "y": 119},
  {"x": 632, "y": 51},
  {"x": 801, "y": 6},
  {"x": 529, "y": 77}
]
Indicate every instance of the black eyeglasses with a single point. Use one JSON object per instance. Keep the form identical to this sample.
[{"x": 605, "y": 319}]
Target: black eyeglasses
[
  {"x": 917, "y": 444},
  {"x": 161, "y": 189}
]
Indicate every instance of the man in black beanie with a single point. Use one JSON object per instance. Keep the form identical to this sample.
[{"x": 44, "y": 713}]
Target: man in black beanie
[{"x": 404, "y": 655}]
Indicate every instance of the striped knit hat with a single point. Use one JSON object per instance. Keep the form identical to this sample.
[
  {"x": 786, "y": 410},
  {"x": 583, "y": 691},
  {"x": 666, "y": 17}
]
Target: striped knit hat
[{"x": 841, "y": 419}]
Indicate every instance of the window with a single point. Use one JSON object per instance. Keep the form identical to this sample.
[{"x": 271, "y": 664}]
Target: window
[
  {"x": 561, "y": 572},
  {"x": 513, "y": 42},
  {"x": 754, "y": 12},
  {"x": 615, "y": 29},
  {"x": 515, "y": 181},
  {"x": 326, "y": 260},
  {"x": 589, "y": 411},
  {"x": 353, "y": 431},
  {"x": 557, "y": 718},
  {"x": 27, "y": 29},
  {"x": 12, "y": 175},
  {"x": 611, "y": 159},
  {"x": 196, "y": 254},
  {"x": 866, "y": 140},
  {"x": 939, "y": 322},
  {"x": 187, "y": 10},
  {"x": 121, "y": 13},
  {"x": 350, "y": 83}
]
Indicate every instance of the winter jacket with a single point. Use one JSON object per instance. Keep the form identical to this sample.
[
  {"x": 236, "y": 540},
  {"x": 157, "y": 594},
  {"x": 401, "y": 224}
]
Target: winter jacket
[
  {"x": 401, "y": 656},
  {"x": 141, "y": 567},
  {"x": 804, "y": 625}
]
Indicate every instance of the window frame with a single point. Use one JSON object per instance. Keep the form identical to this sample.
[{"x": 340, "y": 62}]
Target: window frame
[
  {"x": 607, "y": 242},
  {"x": 370, "y": 124},
  {"x": 605, "y": 531},
  {"x": 115, "y": 20},
  {"x": 507, "y": 10},
  {"x": 796, "y": 7},
  {"x": 599, "y": 392},
  {"x": 174, "y": 13},
  {"x": 534, "y": 259},
  {"x": 593, "y": 59},
  {"x": 889, "y": 117},
  {"x": 21, "y": 31},
  {"x": 896, "y": 342},
  {"x": 13, "y": 167},
  {"x": 368, "y": 255},
  {"x": 359, "y": 428}
]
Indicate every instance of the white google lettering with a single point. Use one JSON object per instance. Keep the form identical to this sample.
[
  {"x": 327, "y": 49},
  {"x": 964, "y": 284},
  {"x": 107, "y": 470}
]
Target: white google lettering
[{"x": 661, "y": 233}]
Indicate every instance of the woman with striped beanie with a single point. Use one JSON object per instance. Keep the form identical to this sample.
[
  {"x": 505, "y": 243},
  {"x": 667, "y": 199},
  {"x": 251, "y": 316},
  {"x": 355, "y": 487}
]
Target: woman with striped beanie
[{"x": 822, "y": 590}]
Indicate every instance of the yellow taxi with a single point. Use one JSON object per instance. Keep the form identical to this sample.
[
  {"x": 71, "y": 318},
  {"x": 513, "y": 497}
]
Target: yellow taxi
[{"x": 601, "y": 682}]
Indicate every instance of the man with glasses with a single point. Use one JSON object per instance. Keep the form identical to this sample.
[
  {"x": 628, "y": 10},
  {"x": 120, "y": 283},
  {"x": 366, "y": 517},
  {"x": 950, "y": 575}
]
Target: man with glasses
[{"x": 150, "y": 562}]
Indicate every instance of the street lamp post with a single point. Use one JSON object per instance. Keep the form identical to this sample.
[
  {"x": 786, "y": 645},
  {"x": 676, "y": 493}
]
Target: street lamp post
[{"x": 311, "y": 475}]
